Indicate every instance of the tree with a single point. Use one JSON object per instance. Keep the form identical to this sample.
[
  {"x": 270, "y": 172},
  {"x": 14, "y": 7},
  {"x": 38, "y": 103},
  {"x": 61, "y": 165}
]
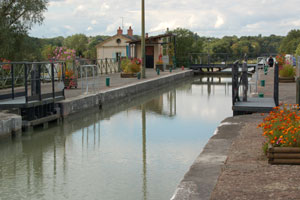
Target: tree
[
  {"x": 17, "y": 17},
  {"x": 79, "y": 42},
  {"x": 290, "y": 42}
]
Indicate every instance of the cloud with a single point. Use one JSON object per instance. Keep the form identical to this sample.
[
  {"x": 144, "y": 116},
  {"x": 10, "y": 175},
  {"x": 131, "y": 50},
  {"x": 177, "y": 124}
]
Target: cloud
[{"x": 208, "y": 18}]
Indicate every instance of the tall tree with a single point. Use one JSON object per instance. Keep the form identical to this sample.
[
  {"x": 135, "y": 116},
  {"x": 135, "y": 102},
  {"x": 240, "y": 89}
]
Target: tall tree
[
  {"x": 290, "y": 42},
  {"x": 16, "y": 18},
  {"x": 79, "y": 42}
]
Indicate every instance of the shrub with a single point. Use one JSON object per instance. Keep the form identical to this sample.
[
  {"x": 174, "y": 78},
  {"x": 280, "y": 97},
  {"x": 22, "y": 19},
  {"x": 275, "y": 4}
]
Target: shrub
[
  {"x": 282, "y": 126},
  {"x": 287, "y": 71},
  {"x": 131, "y": 65}
]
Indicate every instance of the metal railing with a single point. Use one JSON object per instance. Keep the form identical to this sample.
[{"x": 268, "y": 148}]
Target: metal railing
[{"x": 33, "y": 80}]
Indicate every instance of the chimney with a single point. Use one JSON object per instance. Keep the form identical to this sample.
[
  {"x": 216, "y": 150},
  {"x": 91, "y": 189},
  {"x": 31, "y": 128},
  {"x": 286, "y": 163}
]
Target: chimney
[
  {"x": 120, "y": 31},
  {"x": 130, "y": 31}
]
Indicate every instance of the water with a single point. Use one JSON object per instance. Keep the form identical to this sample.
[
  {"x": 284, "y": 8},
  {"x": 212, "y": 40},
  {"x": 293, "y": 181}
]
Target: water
[{"x": 138, "y": 150}]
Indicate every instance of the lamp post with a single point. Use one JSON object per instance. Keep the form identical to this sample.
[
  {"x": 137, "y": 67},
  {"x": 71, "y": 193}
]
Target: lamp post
[{"x": 143, "y": 40}]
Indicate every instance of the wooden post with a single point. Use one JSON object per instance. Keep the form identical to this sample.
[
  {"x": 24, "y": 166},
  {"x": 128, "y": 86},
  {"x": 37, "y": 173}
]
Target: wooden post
[
  {"x": 235, "y": 90},
  {"x": 106, "y": 66},
  {"x": 245, "y": 80},
  {"x": 25, "y": 79},
  {"x": 52, "y": 80},
  {"x": 276, "y": 85},
  {"x": 12, "y": 81},
  {"x": 298, "y": 90}
]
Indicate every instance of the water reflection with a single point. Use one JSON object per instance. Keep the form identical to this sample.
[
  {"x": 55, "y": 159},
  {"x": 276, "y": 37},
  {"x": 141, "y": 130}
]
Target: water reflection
[
  {"x": 209, "y": 82},
  {"x": 98, "y": 155}
]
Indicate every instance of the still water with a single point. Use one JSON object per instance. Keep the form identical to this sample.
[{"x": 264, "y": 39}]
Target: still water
[{"x": 137, "y": 150}]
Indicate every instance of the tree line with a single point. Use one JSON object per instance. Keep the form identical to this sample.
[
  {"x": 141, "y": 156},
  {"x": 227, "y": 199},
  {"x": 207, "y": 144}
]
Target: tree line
[{"x": 18, "y": 17}]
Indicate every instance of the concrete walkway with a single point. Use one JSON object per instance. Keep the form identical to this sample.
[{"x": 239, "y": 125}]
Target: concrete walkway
[{"x": 233, "y": 166}]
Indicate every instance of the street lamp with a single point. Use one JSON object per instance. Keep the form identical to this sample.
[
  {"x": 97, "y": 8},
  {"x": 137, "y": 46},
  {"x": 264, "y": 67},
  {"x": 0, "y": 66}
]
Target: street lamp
[{"x": 143, "y": 40}]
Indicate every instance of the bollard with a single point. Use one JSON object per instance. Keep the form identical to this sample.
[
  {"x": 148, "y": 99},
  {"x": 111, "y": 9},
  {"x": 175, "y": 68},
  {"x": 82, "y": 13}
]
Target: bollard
[
  {"x": 138, "y": 75},
  {"x": 266, "y": 69},
  {"x": 262, "y": 83},
  {"x": 261, "y": 95},
  {"x": 157, "y": 71},
  {"x": 107, "y": 81}
]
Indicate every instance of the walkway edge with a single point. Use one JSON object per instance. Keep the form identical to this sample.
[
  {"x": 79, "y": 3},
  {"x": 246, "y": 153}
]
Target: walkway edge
[
  {"x": 199, "y": 182},
  {"x": 84, "y": 102}
]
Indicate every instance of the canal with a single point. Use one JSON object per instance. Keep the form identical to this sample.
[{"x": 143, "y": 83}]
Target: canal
[{"x": 140, "y": 149}]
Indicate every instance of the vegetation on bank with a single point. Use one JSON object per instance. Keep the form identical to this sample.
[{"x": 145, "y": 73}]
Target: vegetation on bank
[{"x": 18, "y": 17}]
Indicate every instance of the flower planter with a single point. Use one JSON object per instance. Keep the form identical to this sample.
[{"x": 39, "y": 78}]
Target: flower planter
[
  {"x": 286, "y": 79},
  {"x": 284, "y": 155},
  {"x": 160, "y": 67},
  {"x": 128, "y": 75},
  {"x": 70, "y": 82}
]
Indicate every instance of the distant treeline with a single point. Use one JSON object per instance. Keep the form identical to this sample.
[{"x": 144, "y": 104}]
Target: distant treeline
[{"x": 29, "y": 48}]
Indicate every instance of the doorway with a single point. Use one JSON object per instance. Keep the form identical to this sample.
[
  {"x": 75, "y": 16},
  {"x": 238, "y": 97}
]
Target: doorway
[{"x": 149, "y": 56}]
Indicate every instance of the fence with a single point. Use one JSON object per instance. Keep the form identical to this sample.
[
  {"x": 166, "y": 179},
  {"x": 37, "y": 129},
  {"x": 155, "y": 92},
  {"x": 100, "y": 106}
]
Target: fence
[{"x": 30, "y": 80}]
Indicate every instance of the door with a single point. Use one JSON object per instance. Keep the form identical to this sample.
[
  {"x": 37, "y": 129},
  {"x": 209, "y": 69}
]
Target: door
[{"x": 149, "y": 56}]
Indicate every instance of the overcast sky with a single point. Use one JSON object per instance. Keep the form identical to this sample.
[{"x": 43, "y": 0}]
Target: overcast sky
[{"x": 215, "y": 18}]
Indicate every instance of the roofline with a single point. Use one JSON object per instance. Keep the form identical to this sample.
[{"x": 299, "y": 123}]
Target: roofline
[{"x": 153, "y": 37}]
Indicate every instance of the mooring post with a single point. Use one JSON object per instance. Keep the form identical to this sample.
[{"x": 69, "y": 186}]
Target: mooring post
[
  {"x": 12, "y": 81},
  {"x": 245, "y": 80},
  {"x": 276, "y": 85},
  {"x": 235, "y": 91},
  {"x": 298, "y": 90},
  {"x": 26, "y": 80}
]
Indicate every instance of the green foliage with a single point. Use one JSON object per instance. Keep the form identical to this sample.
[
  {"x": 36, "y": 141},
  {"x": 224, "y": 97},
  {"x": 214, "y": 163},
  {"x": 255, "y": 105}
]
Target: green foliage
[
  {"x": 265, "y": 147},
  {"x": 78, "y": 42},
  {"x": 298, "y": 50},
  {"x": 290, "y": 43},
  {"x": 287, "y": 71},
  {"x": 131, "y": 65},
  {"x": 17, "y": 17}
]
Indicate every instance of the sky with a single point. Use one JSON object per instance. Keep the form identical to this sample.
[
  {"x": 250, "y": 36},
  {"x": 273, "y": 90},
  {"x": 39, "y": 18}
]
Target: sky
[{"x": 212, "y": 18}]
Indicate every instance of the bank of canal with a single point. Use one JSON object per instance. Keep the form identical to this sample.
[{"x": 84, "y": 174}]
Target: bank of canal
[{"x": 140, "y": 149}]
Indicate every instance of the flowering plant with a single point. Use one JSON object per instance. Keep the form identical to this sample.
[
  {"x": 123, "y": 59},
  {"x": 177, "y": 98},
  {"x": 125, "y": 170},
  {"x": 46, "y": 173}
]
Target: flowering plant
[
  {"x": 280, "y": 58},
  {"x": 67, "y": 55},
  {"x": 6, "y": 67},
  {"x": 159, "y": 62},
  {"x": 282, "y": 126},
  {"x": 287, "y": 71},
  {"x": 64, "y": 54},
  {"x": 131, "y": 65}
]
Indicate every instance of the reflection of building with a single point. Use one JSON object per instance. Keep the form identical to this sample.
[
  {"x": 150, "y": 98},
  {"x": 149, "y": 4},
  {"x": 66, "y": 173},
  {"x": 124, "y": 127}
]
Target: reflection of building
[{"x": 164, "y": 105}]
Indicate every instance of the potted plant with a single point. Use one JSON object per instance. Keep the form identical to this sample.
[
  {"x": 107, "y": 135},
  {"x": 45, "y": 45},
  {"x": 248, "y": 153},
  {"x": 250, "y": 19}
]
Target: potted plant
[
  {"x": 159, "y": 65},
  {"x": 287, "y": 73},
  {"x": 281, "y": 128},
  {"x": 130, "y": 67},
  {"x": 280, "y": 59}
]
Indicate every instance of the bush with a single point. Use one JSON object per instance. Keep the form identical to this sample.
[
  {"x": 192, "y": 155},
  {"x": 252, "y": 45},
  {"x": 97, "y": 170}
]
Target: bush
[
  {"x": 287, "y": 71},
  {"x": 131, "y": 65}
]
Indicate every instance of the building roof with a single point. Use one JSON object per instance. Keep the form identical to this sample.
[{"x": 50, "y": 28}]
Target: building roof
[
  {"x": 132, "y": 38},
  {"x": 152, "y": 38}
]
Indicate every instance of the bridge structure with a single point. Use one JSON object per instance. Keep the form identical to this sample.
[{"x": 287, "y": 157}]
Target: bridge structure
[{"x": 32, "y": 89}]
